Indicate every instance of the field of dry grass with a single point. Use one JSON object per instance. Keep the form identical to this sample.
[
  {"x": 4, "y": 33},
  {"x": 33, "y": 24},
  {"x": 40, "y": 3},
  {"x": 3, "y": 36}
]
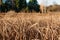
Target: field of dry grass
[{"x": 29, "y": 26}]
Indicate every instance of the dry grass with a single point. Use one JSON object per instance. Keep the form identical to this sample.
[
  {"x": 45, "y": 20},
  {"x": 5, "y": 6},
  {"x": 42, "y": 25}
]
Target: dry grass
[{"x": 29, "y": 26}]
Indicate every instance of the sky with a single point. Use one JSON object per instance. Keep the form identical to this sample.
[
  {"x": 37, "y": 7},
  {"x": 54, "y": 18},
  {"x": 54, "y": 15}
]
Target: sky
[{"x": 46, "y": 2}]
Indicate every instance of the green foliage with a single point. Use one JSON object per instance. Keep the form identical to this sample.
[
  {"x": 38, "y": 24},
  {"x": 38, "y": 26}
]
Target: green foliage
[
  {"x": 16, "y": 8},
  {"x": 17, "y": 3},
  {"x": 20, "y": 5},
  {"x": 33, "y": 5},
  {"x": 1, "y": 6},
  {"x": 8, "y": 5}
]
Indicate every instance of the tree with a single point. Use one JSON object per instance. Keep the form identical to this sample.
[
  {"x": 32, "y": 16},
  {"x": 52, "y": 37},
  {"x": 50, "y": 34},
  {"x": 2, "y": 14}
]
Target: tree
[
  {"x": 8, "y": 5},
  {"x": 33, "y": 5},
  {"x": 0, "y": 5},
  {"x": 16, "y": 8},
  {"x": 22, "y": 4},
  {"x": 0, "y": 2}
]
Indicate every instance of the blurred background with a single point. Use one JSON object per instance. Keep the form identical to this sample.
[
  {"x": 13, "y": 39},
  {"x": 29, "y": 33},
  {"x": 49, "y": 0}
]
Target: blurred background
[{"x": 30, "y": 5}]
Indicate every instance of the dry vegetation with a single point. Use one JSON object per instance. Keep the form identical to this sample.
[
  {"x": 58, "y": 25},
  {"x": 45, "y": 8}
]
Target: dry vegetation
[
  {"x": 29, "y": 26},
  {"x": 53, "y": 8}
]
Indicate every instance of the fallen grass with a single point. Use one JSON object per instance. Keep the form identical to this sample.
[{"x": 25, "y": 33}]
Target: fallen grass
[{"x": 29, "y": 26}]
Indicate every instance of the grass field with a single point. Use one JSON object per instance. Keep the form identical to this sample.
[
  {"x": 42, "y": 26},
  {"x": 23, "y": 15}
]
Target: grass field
[{"x": 32, "y": 26}]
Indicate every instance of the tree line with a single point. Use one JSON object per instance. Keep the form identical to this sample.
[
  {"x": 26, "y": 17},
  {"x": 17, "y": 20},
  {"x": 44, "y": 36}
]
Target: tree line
[{"x": 20, "y": 5}]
